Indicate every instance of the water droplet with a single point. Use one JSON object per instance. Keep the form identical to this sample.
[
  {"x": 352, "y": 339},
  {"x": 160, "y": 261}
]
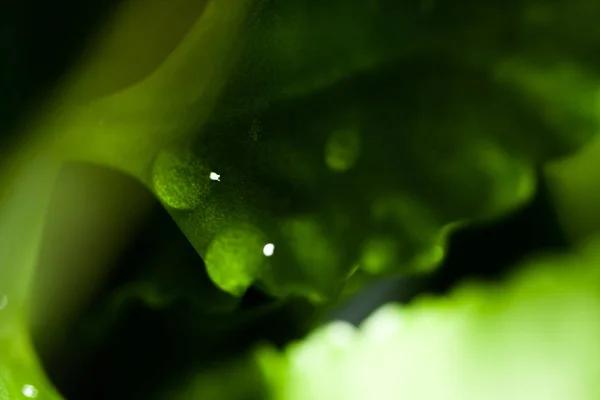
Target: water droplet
[
  {"x": 179, "y": 180},
  {"x": 215, "y": 177},
  {"x": 29, "y": 391},
  {"x": 3, "y": 301},
  {"x": 342, "y": 150},
  {"x": 429, "y": 259},
  {"x": 379, "y": 254},
  {"x": 269, "y": 249},
  {"x": 233, "y": 258}
]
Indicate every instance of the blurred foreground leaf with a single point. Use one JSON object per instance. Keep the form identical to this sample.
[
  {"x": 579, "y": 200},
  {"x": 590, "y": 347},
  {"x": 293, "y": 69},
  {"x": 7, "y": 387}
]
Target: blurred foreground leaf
[{"x": 533, "y": 337}]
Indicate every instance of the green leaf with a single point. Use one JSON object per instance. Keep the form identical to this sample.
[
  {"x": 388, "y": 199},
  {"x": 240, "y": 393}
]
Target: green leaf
[
  {"x": 343, "y": 133},
  {"x": 381, "y": 141},
  {"x": 21, "y": 375},
  {"x": 376, "y": 174}
]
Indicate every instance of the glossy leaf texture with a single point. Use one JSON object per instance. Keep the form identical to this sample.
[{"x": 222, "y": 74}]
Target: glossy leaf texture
[
  {"x": 534, "y": 336},
  {"x": 352, "y": 136}
]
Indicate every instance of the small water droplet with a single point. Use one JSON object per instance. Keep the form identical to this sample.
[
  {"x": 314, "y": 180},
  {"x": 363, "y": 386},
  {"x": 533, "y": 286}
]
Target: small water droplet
[
  {"x": 342, "y": 150},
  {"x": 269, "y": 249},
  {"x": 215, "y": 177},
  {"x": 29, "y": 391},
  {"x": 179, "y": 179},
  {"x": 233, "y": 260}
]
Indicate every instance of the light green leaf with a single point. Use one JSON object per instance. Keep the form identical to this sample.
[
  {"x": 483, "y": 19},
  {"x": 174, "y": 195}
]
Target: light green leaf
[{"x": 532, "y": 337}]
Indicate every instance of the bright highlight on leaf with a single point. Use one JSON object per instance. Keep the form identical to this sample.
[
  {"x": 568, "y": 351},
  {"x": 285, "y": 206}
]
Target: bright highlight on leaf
[
  {"x": 268, "y": 249},
  {"x": 214, "y": 176},
  {"x": 29, "y": 391}
]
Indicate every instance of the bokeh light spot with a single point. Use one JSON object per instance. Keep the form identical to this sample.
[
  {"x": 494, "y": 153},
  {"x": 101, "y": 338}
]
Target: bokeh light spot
[
  {"x": 269, "y": 249},
  {"x": 29, "y": 391}
]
